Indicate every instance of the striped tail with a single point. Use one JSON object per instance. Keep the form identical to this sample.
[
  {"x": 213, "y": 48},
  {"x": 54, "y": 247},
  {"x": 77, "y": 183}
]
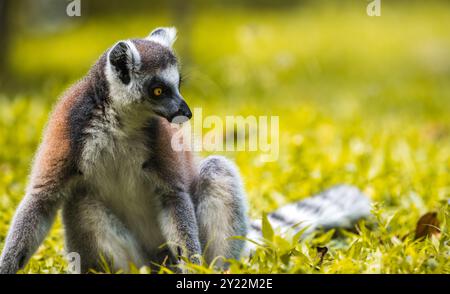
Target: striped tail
[{"x": 338, "y": 207}]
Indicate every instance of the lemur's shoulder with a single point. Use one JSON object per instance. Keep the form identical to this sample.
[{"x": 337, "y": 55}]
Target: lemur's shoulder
[{"x": 54, "y": 160}]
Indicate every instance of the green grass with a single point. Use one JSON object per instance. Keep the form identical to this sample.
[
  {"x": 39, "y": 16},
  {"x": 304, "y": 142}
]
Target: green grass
[{"x": 363, "y": 101}]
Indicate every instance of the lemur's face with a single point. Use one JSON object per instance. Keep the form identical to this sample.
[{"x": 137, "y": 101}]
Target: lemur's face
[{"x": 144, "y": 73}]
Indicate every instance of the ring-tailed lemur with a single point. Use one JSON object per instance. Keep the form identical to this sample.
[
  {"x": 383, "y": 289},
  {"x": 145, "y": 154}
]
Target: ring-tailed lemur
[{"x": 106, "y": 159}]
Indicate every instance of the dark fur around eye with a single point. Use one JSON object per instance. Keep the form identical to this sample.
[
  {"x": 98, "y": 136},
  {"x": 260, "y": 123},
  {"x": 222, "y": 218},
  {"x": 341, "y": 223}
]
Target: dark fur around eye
[{"x": 155, "y": 82}]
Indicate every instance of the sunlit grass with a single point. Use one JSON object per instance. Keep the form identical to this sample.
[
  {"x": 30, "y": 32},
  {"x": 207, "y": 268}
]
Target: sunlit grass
[{"x": 361, "y": 100}]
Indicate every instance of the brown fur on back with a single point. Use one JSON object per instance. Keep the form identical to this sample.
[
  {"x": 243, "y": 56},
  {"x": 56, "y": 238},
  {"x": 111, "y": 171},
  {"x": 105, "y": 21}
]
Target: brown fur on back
[{"x": 52, "y": 163}]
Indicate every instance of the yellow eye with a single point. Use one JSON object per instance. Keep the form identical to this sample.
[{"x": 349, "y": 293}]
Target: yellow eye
[{"x": 157, "y": 91}]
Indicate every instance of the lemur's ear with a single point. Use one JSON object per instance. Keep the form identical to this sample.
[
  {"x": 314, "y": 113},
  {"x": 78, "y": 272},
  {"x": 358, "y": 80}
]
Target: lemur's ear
[
  {"x": 123, "y": 58},
  {"x": 163, "y": 36}
]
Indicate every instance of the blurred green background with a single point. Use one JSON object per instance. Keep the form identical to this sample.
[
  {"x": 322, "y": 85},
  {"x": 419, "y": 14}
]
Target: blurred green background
[{"x": 362, "y": 100}]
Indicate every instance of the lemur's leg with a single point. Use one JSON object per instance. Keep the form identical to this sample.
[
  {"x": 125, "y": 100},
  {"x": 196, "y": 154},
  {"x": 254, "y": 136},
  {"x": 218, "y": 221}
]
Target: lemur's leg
[
  {"x": 220, "y": 208},
  {"x": 93, "y": 232}
]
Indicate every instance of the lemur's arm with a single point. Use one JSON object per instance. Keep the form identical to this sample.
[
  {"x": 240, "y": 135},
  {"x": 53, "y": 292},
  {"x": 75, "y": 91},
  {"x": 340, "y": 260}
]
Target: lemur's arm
[
  {"x": 177, "y": 218},
  {"x": 179, "y": 225},
  {"x": 38, "y": 208}
]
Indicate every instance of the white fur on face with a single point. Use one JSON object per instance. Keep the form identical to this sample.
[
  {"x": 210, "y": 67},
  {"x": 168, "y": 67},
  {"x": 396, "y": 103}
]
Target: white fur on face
[{"x": 170, "y": 75}]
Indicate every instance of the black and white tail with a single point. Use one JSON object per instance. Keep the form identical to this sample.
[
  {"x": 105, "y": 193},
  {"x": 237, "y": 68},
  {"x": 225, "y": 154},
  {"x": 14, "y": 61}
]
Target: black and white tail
[{"x": 338, "y": 207}]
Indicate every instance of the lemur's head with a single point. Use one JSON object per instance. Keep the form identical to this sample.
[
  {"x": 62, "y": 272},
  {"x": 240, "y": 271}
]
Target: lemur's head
[{"x": 144, "y": 73}]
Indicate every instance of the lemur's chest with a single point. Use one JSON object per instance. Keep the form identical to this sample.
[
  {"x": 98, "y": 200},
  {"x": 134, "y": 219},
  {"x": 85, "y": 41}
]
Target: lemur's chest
[
  {"x": 112, "y": 169},
  {"x": 113, "y": 162}
]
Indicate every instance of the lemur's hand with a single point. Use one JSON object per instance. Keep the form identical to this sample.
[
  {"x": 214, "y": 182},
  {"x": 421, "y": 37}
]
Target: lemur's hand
[
  {"x": 181, "y": 263},
  {"x": 9, "y": 262},
  {"x": 16, "y": 251}
]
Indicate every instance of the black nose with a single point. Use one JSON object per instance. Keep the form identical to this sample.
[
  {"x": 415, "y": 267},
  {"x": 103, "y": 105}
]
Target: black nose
[{"x": 184, "y": 110}]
